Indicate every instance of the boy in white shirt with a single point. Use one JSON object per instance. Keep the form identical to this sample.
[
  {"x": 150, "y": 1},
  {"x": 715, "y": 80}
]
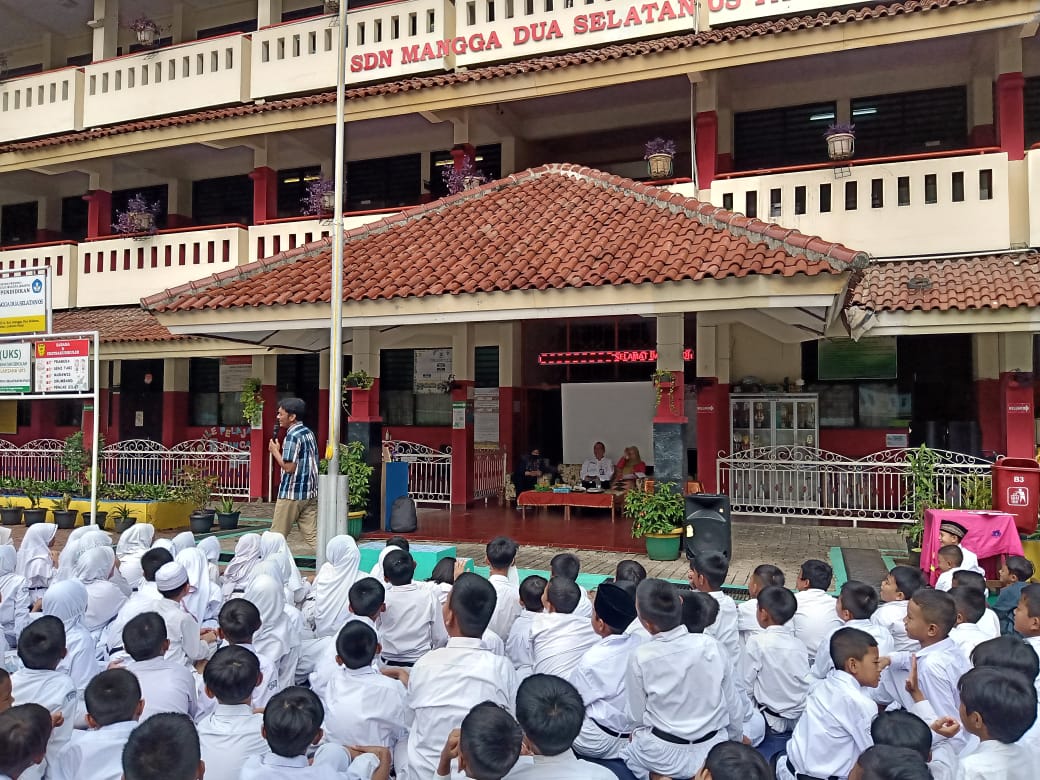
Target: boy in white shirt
[
  {"x": 902, "y": 729},
  {"x": 232, "y": 732},
  {"x": 24, "y": 731},
  {"x": 142, "y": 600},
  {"x": 951, "y": 533},
  {"x": 882, "y": 762},
  {"x": 681, "y": 688},
  {"x": 114, "y": 705},
  {"x": 989, "y": 623},
  {"x": 835, "y": 727},
  {"x": 519, "y": 644},
  {"x": 707, "y": 573},
  {"x": 560, "y": 636},
  {"x": 501, "y": 554},
  {"x": 406, "y": 627},
  {"x": 1009, "y": 653},
  {"x": 188, "y": 643},
  {"x": 897, "y": 589},
  {"x": 367, "y": 602},
  {"x": 239, "y": 620},
  {"x": 816, "y": 616},
  {"x": 168, "y": 740},
  {"x": 971, "y": 606},
  {"x": 950, "y": 559},
  {"x": 1027, "y": 620},
  {"x": 998, "y": 707},
  {"x": 487, "y": 745},
  {"x": 856, "y": 604},
  {"x": 568, "y": 566},
  {"x": 763, "y": 576},
  {"x": 166, "y": 685}
]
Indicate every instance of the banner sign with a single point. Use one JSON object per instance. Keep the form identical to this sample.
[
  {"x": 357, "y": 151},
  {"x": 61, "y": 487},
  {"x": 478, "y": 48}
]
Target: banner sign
[
  {"x": 23, "y": 303},
  {"x": 63, "y": 366},
  {"x": 722, "y": 12},
  {"x": 15, "y": 368}
]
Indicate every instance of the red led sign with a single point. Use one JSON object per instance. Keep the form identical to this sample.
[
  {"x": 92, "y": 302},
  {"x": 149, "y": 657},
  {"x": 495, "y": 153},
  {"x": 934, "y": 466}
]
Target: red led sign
[{"x": 602, "y": 356}]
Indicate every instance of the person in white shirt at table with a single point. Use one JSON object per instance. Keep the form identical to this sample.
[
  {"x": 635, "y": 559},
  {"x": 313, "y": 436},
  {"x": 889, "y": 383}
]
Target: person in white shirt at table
[
  {"x": 114, "y": 705},
  {"x": 568, "y": 565},
  {"x": 24, "y": 731},
  {"x": 855, "y": 606},
  {"x": 519, "y": 644},
  {"x": 167, "y": 686},
  {"x": 971, "y": 606},
  {"x": 898, "y": 587},
  {"x": 763, "y": 576},
  {"x": 600, "y": 676},
  {"x": 501, "y": 554},
  {"x": 169, "y": 740},
  {"x": 707, "y": 573},
  {"x": 560, "y": 636},
  {"x": 447, "y": 682},
  {"x": 998, "y": 706},
  {"x": 142, "y": 600},
  {"x": 407, "y": 626},
  {"x": 816, "y": 616},
  {"x": 232, "y": 732},
  {"x": 681, "y": 688},
  {"x": 597, "y": 471}
]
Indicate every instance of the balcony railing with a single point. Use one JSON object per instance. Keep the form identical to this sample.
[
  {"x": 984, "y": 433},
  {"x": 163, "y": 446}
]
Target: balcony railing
[
  {"x": 61, "y": 257},
  {"x": 41, "y": 104},
  {"x": 280, "y": 235}
]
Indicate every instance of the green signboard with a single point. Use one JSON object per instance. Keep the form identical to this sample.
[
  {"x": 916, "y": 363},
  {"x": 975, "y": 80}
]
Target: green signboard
[{"x": 870, "y": 358}]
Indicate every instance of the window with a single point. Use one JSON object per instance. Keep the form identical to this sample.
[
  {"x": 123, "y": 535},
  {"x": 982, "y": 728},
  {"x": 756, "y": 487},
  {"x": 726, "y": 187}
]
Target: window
[
  {"x": 210, "y": 406},
  {"x": 18, "y": 223},
  {"x": 851, "y": 195},
  {"x": 931, "y": 194},
  {"x": 244, "y": 26},
  {"x": 398, "y": 401},
  {"x": 825, "y": 198},
  {"x": 775, "y": 203},
  {"x": 1031, "y": 98},
  {"x": 292, "y": 188},
  {"x": 903, "y": 190},
  {"x": 877, "y": 194},
  {"x": 727, "y": 201},
  {"x": 488, "y": 161},
  {"x": 781, "y": 136},
  {"x": 156, "y": 194},
  {"x": 221, "y": 201},
  {"x": 911, "y": 122},
  {"x": 751, "y": 204},
  {"x": 799, "y": 200},
  {"x": 68, "y": 412},
  {"x": 957, "y": 186},
  {"x": 986, "y": 184},
  {"x": 384, "y": 182}
]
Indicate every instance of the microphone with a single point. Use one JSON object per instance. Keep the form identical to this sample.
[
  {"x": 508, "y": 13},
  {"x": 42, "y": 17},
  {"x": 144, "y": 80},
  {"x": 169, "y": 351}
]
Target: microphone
[{"x": 277, "y": 429}]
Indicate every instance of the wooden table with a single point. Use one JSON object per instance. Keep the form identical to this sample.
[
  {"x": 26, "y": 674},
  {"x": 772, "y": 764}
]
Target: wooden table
[{"x": 566, "y": 500}]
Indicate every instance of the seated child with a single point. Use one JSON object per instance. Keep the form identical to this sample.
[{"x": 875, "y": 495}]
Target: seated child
[
  {"x": 989, "y": 622},
  {"x": 231, "y": 733},
  {"x": 1027, "y": 620},
  {"x": 519, "y": 644},
  {"x": 366, "y": 601},
  {"x": 501, "y": 554},
  {"x": 41, "y": 646},
  {"x": 238, "y": 621},
  {"x": 776, "y": 669},
  {"x": 114, "y": 705},
  {"x": 971, "y": 606},
  {"x": 166, "y": 686},
  {"x": 835, "y": 727},
  {"x": 763, "y": 576},
  {"x": 568, "y": 565},
  {"x": 707, "y": 574},
  {"x": 997, "y": 706},
  {"x": 951, "y": 533},
  {"x": 1012, "y": 654},
  {"x": 406, "y": 628},
  {"x": 901, "y": 729},
  {"x": 165, "y": 747},
  {"x": 6, "y": 699},
  {"x": 24, "y": 733},
  {"x": 630, "y": 571},
  {"x": 857, "y": 602},
  {"x": 292, "y": 724},
  {"x": 897, "y": 589},
  {"x": 699, "y": 611},
  {"x": 600, "y": 676},
  {"x": 883, "y": 762},
  {"x": 683, "y": 715},
  {"x": 1015, "y": 573},
  {"x": 486, "y": 746},
  {"x": 734, "y": 761},
  {"x": 951, "y": 559},
  {"x": 362, "y": 706},
  {"x": 550, "y": 712},
  {"x": 560, "y": 636},
  {"x": 816, "y": 615}
]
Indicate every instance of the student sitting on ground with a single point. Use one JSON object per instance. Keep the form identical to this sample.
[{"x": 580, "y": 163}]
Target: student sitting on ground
[
  {"x": 998, "y": 707},
  {"x": 897, "y": 589},
  {"x": 747, "y": 611},
  {"x": 114, "y": 705},
  {"x": 166, "y": 686},
  {"x": 24, "y": 733},
  {"x": 501, "y": 554},
  {"x": 630, "y": 571},
  {"x": 707, "y": 574},
  {"x": 406, "y": 628},
  {"x": 835, "y": 727},
  {"x": 142, "y": 600},
  {"x": 901, "y": 729},
  {"x": 231, "y": 733},
  {"x": 856, "y": 604},
  {"x": 239, "y": 621},
  {"x": 519, "y": 647},
  {"x": 734, "y": 761},
  {"x": 971, "y": 606},
  {"x": 699, "y": 611},
  {"x": 1015, "y": 573},
  {"x": 989, "y": 623},
  {"x": 883, "y": 762},
  {"x": 486, "y": 746},
  {"x": 188, "y": 643},
  {"x": 950, "y": 559},
  {"x": 816, "y": 616},
  {"x": 560, "y": 636},
  {"x": 1012, "y": 654},
  {"x": 165, "y": 747},
  {"x": 568, "y": 565},
  {"x": 366, "y": 601}
]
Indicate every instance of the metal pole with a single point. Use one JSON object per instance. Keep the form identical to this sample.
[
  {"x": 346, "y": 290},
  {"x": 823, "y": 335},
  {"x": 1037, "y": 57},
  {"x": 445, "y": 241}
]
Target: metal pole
[{"x": 97, "y": 428}]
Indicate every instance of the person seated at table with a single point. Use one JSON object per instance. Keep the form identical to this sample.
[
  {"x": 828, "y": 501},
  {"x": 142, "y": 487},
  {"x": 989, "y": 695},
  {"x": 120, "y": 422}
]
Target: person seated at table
[
  {"x": 532, "y": 467},
  {"x": 630, "y": 468},
  {"x": 597, "y": 471}
]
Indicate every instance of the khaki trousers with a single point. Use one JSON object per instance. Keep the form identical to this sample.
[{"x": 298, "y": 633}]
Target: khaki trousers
[{"x": 288, "y": 511}]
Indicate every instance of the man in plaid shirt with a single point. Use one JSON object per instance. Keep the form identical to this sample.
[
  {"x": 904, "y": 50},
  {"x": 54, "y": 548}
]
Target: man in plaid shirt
[{"x": 298, "y": 459}]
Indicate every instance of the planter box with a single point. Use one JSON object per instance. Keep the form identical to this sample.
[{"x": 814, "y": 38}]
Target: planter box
[{"x": 164, "y": 515}]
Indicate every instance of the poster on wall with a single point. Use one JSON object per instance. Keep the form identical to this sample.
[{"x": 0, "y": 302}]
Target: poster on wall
[
  {"x": 485, "y": 416},
  {"x": 15, "y": 368},
  {"x": 9, "y": 416},
  {"x": 234, "y": 371},
  {"x": 432, "y": 370},
  {"x": 63, "y": 366}
]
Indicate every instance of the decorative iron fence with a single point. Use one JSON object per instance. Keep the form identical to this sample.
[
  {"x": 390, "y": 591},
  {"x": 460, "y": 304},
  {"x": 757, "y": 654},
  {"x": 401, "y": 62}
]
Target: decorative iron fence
[
  {"x": 429, "y": 471},
  {"x": 489, "y": 474},
  {"x": 810, "y": 482}
]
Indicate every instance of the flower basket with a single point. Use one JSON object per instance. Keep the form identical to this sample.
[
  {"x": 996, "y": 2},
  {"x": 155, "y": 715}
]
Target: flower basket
[
  {"x": 147, "y": 36},
  {"x": 660, "y": 166},
  {"x": 841, "y": 146}
]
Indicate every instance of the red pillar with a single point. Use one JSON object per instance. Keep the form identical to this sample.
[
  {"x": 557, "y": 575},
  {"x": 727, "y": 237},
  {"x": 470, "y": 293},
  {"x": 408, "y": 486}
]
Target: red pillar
[
  {"x": 712, "y": 430},
  {"x": 460, "y": 152},
  {"x": 364, "y": 404},
  {"x": 706, "y": 135},
  {"x": 259, "y": 461},
  {"x": 462, "y": 447},
  {"x": 1016, "y": 391},
  {"x": 991, "y": 420},
  {"x": 507, "y": 421},
  {"x": 672, "y": 406},
  {"x": 99, "y": 213},
  {"x": 1011, "y": 114},
  {"x": 175, "y": 417},
  {"x": 265, "y": 194}
]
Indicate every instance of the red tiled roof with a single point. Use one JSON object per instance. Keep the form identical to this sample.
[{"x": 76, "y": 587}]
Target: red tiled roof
[
  {"x": 618, "y": 51},
  {"x": 116, "y": 324},
  {"x": 558, "y": 226},
  {"x": 996, "y": 281}
]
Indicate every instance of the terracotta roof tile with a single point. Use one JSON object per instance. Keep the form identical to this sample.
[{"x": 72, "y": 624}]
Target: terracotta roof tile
[
  {"x": 116, "y": 324},
  {"x": 993, "y": 281},
  {"x": 517, "y": 234},
  {"x": 715, "y": 35}
]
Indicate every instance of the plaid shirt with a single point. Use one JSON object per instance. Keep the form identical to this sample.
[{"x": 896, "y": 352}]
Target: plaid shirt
[{"x": 300, "y": 447}]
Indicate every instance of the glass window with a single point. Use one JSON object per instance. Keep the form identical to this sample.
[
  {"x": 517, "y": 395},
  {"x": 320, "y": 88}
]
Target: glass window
[
  {"x": 209, "y": 406},
  {"x": 488, "y": 161},
  {"x": 292, "y": 188},
  {"x": 911, "y": 122},
  {"x": 781, "y": 136}
]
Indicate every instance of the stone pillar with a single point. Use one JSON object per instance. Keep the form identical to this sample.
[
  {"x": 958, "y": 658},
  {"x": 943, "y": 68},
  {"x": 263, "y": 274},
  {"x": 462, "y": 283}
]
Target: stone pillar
[
  {"x": 713, "y": 359},
  {"x": 670, "y": 415},
  {"x": 510, "y": 380},
  {"x": 266, "y": 368},
  {"x": 365, "y": 425},
  {"x": 980, "y": 101},
  {"x": 178, "y": 203},
  {"x": 106, "y": 34},
  {"x": 268, "y": 12},
  {"x": 462, "y": 404},
  {"x": 265, "y": 194},
  {"x": 175, "y": 400}
]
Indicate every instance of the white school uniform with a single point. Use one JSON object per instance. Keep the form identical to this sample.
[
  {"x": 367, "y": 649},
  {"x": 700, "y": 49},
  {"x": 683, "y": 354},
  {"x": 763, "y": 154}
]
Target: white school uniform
[
  {"x": 559, "y": 641},
  {"x": 56, "y": 692},
  {"x": 228, "y": 736},
  {"x": 271, "y": 683},
  {"x": 989, "y": 623},
  {"x": 682, "y": 684},
  {"x": 507, "y": 605},
  {"x": 725, "y": 628},
  {"x": 814, "y": 617},
  {"x": 891, "y": 614},
  {"x": 322, "y": 656},
  {"x": 1034, "y": 642},
  {"x": 968, "y": 636},
  {"x": 970, "y": 561},
  {"x": 939, "y": 668},
  {"x": 67, "y": 601},
  {"x": 15, "y": 601},
  {"x": 565, "y": 766},
  {"x": 143, "y": 600},
  {"x": 747, "y": 620},
  {"x": 406, "y": 628},
  {"x": 183, "y": 631},
  {"x": 823, "y": 664},
  {"x": 994, "y": 760},
  {"x": 444, "y": 685},
  {"x": 945, "y": 581},
  {"x": 943, "y": 764},
  {"x": 364, "y": 707},
  {"x": 584, "y": 608},
  {"x": 281, "y": 624},
  {"x": 331, "y": 762},
  {"x": 776, "y": 675},
  {"x": 94, "y": 755},
  {"x": 166, "y": 686},
  {"x": 600, "y": 679},
  {"x": 519, "y": 644},
  {"x": 833, "y": 731}
]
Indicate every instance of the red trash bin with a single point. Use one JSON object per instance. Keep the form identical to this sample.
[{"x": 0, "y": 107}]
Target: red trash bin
[{"x": 1016, "y": 490}]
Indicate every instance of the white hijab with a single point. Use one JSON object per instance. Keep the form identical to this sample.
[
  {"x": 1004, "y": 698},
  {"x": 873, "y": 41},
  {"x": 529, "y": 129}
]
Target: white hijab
[
  {"x": 273, "y": 544},
  {"x": 332, "y": 584},
  {"x": 203, "y": 599},
  {"x": 14, "y": 594},
  {"x": 5, "y": 535},
  {"x": 67, "y": 601},
  {"x": 185, "y": 540},
  {"x": 165, "y": 544},
  {"x": 68, "y": 553},
  {"x": 268, "y": 596},
  {"x": 210, "y": 547},
  {"x": 34, "y": 556},
  {"x": 135, "y": 541},
  {"x": 104, "y": 598},
  {"x": 241, "y": 568},
  {"x": 377, "y": 570}
]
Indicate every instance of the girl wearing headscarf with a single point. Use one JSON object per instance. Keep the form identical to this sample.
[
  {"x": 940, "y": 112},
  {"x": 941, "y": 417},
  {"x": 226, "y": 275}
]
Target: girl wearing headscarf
[
  {"x": 332, "y": 585},
  {"x": 5, "y": 535},
  {"x": 133, "y": 543},
  {"x": 279, "y": 634},
  {"x": 241, "y": 568},
  {"x": 203, "y": 599},
  {"x": 15, "y": 601},
  {"x": 165, "y": 544},
  {"x": 210, "y": 547},
  {"x": 182, "y": 541},
  {"x": 34, "y": 558},
  {"x": 67, "y": 601},
  {"x": 94, "y": 569},
  {"x": 377, "y": 570},
  {"x": 68, "y": 553},
  {"x": 273, "y": 545}
]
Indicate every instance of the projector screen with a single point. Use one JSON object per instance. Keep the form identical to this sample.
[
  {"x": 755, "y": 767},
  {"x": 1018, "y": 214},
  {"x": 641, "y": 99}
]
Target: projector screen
[{"x": 619, "y": 414}]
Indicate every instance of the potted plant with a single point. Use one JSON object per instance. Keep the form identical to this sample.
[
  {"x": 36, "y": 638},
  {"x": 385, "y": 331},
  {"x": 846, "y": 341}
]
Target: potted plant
[
  {"x": 123, "y": 518},
  {"x": 75, "y": 459},
  {"x": 656, "y": 516},
  {"x": 64, "y": 516},
  {"x": 465, "y": 178},
  {"x": 227, "y": 514},
  {"x": 146, "y": 29},
  {"x": 359, "y": 473},
  {"x": 9, "y": 513},
  {"x": 34, "y": 492},
  {"x": 664, "y": 382},
  {"x": 138, "y": 218},
  {"x": 358, "y": 380},
  {"x": 658, "y": 154},
  {"x": 197, "y": 487},
  {"x": 924, "y": 494},
  {"x": 841, "y": 140},
  {"x": 252, "y": 402},
  {"x": 320, "y": 197}
]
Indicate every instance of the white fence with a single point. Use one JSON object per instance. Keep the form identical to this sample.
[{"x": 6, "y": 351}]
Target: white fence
[
  {"x": 809, "y": 482},
  {"x": 135, "y": 461},
  {"x": 429, "y": 471},
  {"x": 489, "y": 474}
]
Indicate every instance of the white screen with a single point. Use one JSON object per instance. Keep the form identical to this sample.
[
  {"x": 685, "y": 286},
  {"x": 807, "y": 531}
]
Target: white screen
[{"x": 619, "y": 414}]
